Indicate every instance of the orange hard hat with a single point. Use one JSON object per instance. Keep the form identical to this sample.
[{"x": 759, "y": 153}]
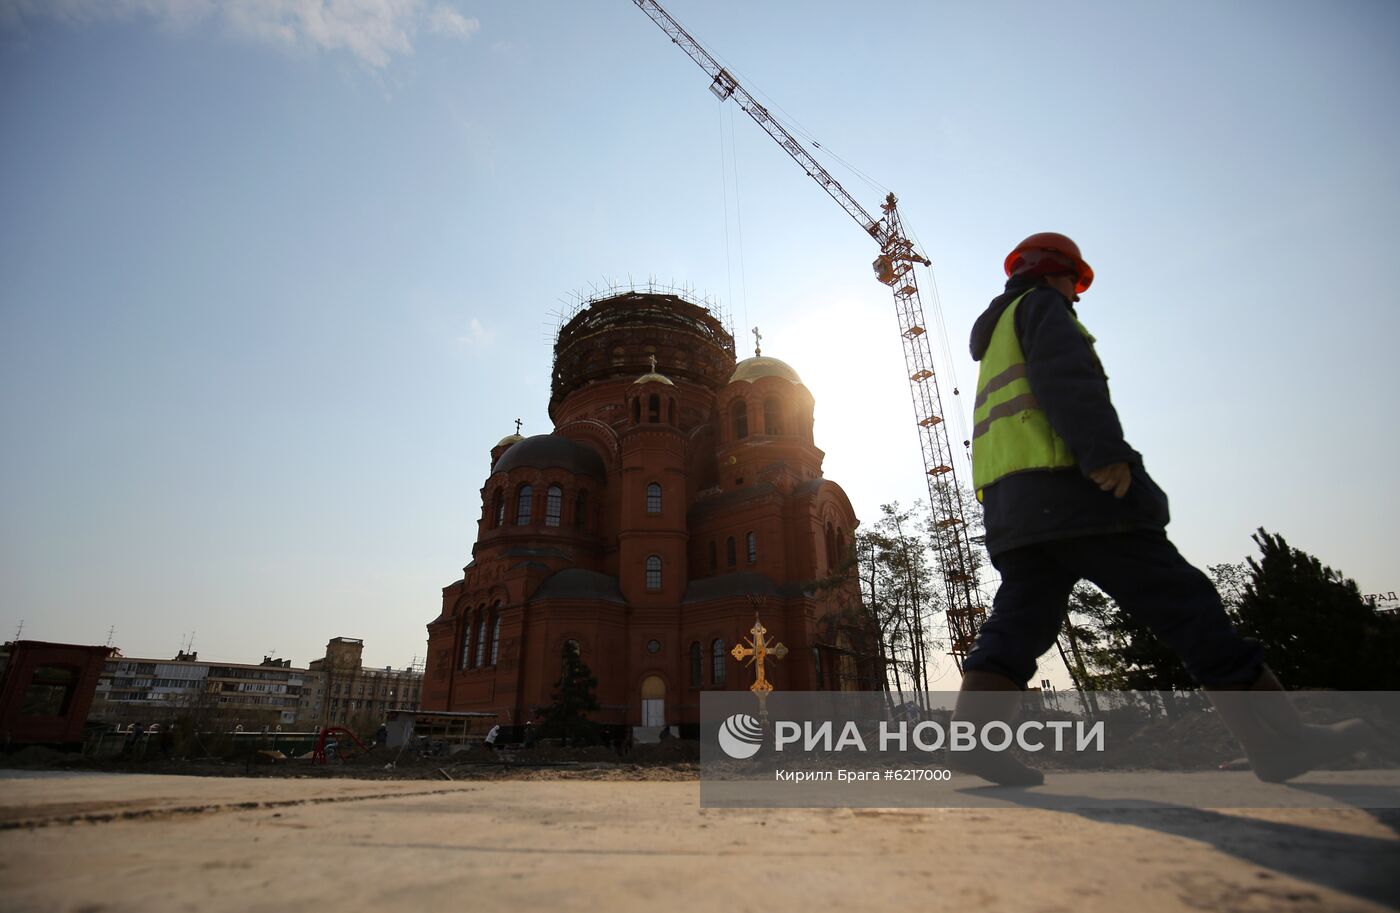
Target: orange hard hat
[{"x": 1046, "y": 253}]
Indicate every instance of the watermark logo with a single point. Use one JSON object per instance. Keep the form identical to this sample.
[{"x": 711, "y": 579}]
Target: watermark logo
[{"x": 741, "y": 736}]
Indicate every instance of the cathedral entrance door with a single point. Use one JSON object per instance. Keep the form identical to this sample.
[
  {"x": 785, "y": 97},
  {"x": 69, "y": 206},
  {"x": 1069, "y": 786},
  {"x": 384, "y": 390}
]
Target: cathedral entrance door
[{"x": 653, "y": 701}]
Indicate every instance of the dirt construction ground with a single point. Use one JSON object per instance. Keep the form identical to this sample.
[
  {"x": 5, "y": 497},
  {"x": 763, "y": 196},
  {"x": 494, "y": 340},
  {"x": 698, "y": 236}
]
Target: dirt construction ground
[{"x": 92, "y": 842}]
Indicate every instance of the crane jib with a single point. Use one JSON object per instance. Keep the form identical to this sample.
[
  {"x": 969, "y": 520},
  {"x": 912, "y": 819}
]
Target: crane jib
[{"x": 895, "y": 268}]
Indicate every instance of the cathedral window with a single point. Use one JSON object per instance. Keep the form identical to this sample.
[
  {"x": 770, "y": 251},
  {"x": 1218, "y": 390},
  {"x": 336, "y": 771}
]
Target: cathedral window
[
  {"x": 481, "y": 641},
  {"x": 553, "y": 505},
  {"x": 729, "y": 551},
  {"x": 772, "y": 416},
  {"x": 466, "y": 646},
  {"x": 696, "y": 665},
  {"x": 751, "y": 547},
  {"x": 718, "y": 654},
  {"x": 524, "y": 505},
  {"x": 653, "y": 498},
  {"x": 571, "y": 649},
  {"x": 498, "y": 510},
  {"x": 739, "y": 419},
  {"x": 496, "y": 635},
  {"x": 654, "y": 409},
  {"x": 653, "y": 572},
  {"x": 637, "y": 411}
]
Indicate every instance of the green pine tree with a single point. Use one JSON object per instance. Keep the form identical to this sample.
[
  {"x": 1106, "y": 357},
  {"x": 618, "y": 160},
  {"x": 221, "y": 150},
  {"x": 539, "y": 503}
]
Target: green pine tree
[
  {"x": 575, "y": 696},
  {"x": 1316, "y": 629}
]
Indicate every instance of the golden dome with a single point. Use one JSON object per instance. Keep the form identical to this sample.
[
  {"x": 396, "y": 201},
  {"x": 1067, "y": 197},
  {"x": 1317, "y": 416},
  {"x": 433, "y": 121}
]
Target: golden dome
[
  {"x": 508, "y": 440},
  {"x": 653, "y": 376},
  {"x": 751, "y": 369}
]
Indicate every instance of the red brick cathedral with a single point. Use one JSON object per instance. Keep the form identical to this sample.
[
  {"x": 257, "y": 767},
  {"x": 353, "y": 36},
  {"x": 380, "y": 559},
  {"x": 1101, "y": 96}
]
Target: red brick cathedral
[{"x": 677, "y": 491}]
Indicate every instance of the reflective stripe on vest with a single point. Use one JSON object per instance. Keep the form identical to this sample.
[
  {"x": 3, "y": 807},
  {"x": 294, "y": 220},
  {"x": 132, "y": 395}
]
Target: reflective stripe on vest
[{"x": 1011, "y": 433}]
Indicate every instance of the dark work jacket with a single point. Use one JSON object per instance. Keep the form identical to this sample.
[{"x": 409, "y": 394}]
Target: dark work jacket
[{"x": 1069, "y": 382}]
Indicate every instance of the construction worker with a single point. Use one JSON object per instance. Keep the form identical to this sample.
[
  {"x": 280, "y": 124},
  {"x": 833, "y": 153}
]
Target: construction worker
[{"x": 1066, "y": 498}]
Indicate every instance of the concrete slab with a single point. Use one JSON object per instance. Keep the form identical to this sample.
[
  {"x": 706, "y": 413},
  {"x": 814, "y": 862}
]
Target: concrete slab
[{"x": 618, "y": 845}]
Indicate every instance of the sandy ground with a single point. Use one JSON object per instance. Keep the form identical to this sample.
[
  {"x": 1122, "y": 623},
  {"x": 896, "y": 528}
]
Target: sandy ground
[{"x": 115, "y": 842}]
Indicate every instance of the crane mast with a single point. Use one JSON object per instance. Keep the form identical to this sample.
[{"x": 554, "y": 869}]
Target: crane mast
[{"x": 895, "y": 268}]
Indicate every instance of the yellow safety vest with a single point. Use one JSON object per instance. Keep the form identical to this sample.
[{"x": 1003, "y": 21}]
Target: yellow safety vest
[{"x": 1011, "y": 433}]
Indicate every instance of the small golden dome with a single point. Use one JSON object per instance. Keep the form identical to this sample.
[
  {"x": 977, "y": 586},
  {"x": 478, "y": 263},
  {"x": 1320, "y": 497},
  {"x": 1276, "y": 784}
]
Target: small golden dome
[
  {"x": 508, "y": 440},
  {"x": 751, "y": 369},
  {"x": 653, "y": 376}
]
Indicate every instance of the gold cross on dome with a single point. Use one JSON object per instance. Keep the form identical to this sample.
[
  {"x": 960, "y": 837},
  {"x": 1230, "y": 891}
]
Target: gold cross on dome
[
  {"x": 757, "y": 342},
  {"x": 517, "y": 426},
  {"x": 652, "y": 359}
]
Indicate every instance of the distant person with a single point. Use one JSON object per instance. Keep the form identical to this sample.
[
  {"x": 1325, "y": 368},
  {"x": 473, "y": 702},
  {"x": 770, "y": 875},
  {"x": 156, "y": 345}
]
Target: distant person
[
  {"x": 133, "y": 735},
  {"x": 1067, "y": 499},
  {"x": 491, "y": 737},
  {"x": 532, "y": 735}
]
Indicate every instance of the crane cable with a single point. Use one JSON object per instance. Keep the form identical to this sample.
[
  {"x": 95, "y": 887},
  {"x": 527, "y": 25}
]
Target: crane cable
[
  {"x": 724, "y": 190},
  {"x": 739, "y": 219}
]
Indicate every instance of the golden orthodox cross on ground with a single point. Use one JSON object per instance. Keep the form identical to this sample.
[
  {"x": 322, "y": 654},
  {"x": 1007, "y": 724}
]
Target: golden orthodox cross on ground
[
  {"x": 757, "y": 342},
  {"x": 759, "y": 649}
]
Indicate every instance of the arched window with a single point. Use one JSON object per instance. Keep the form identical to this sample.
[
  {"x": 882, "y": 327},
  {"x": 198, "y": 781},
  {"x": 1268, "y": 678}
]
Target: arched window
[
  {"x": 654, "y": 409},
  {"x": 496, "y": 635},
  {"x": 751, "y": 547},
  {"x": 571, "y": 650},
  {"x": 772, "y": 416},
  {"x": 697, "y": 665},
  {"x": 717, "y": 654},
  {"x": 581, "y": 510},
  {"x": 729, "y": 551},
  {"x": 739, "y": 419},
  {"x": 498, "y": 511},
  {"x": 481, "y": 641},
  {"x": 466, "y": 645},
  {"x": 653, "y": 498},
  {"x": 524, "y": 505},
  {"x": 714, "y": 556},
  {"x": 653, "y": 572},
  {"x": 553, "y": 505}
]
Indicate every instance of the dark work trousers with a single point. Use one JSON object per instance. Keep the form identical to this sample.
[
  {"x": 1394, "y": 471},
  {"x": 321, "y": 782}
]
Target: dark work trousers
[{"x": 1145, "y": 575}]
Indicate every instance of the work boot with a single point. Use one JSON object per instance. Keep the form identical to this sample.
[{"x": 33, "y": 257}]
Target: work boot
[
  {"x": 984, "y": 698},
  {"x": 1279, "y": 744}
]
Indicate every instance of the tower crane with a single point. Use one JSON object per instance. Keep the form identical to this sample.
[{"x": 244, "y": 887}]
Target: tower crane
[{"x": 895, "y": 268}]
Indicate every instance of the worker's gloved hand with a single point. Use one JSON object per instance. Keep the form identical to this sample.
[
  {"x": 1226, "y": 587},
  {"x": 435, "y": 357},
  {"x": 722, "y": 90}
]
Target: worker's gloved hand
[{"x": 1115, "y": 477}]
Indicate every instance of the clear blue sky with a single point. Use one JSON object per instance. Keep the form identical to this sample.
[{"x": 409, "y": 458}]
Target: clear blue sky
[{"x": 275, "y": 277}]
